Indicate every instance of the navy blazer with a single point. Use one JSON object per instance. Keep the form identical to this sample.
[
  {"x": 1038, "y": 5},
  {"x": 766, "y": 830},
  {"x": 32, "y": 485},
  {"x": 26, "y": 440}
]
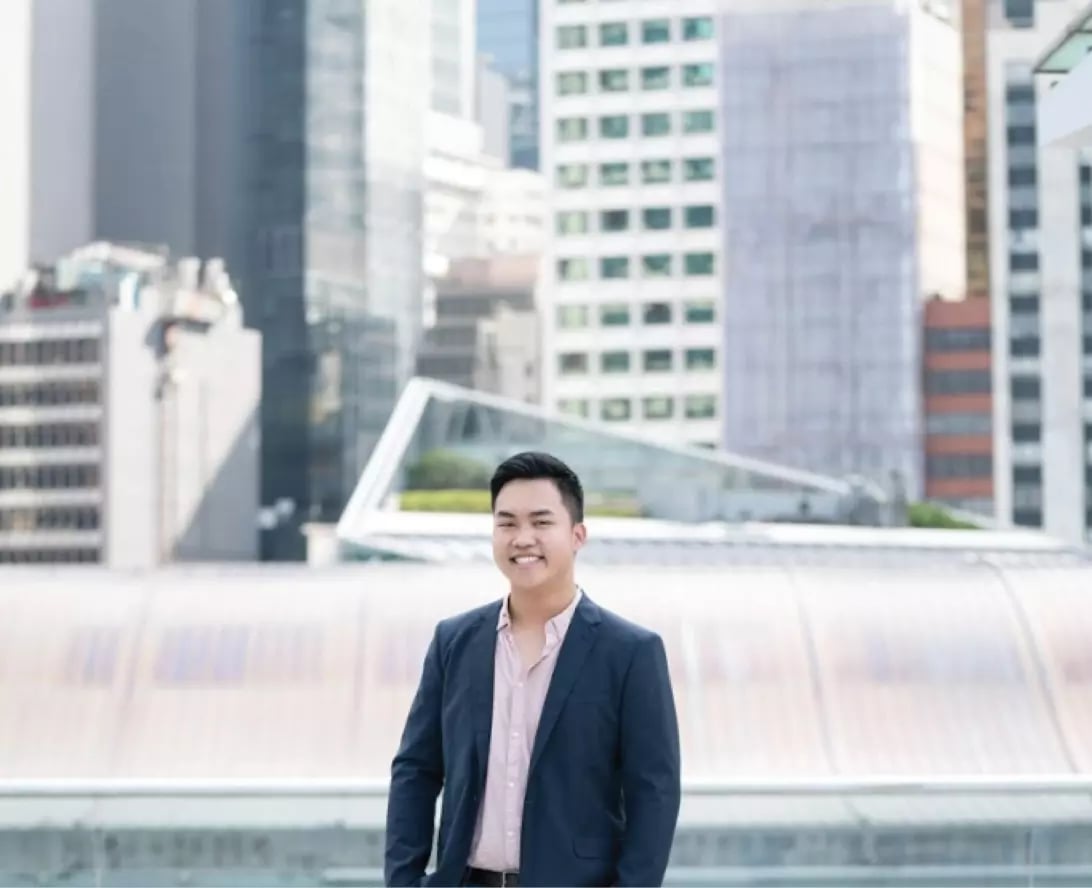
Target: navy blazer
[{"x": 603, "y": 788}]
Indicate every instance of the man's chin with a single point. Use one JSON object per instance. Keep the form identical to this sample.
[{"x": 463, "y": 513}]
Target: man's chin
[{"x": 528, "y": 579}]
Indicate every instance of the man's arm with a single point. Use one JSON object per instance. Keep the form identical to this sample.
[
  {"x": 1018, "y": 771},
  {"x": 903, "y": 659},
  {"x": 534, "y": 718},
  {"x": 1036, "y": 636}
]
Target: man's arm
[
  {"x": 651, "y": 771},
  {"x": 417, "y": 776}
]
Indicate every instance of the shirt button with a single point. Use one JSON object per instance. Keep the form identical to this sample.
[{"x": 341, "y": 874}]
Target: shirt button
[
  {"x": 515, "y": 735},
  {"x": 511, "y": 783},
  {"x": 510, "y": 833}
]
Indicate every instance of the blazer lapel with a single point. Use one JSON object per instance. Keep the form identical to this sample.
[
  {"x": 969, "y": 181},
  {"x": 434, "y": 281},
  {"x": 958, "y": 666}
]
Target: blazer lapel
[
  {"x": 570, "y": 659},
  {"x": 482, "y": 666}
]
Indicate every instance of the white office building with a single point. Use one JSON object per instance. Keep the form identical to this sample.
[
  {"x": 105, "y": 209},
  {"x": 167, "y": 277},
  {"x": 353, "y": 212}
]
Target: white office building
[
  {"x": 633, "y": 271},
  {"x": 1041, "y": 275},
  {"x": 129, "y": 395}
]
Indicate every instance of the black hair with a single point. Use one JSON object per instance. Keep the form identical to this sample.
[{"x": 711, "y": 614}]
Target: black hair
[{"x": 530, "y": 466}]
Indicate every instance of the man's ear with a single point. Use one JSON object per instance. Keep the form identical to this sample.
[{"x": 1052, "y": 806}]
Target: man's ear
[{"x": 580, "y": 535}]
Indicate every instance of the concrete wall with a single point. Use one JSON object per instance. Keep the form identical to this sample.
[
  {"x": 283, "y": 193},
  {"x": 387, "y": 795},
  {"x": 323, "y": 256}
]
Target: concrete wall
[
  {"x": 936, "y": 118},
  {"x": 62, "y": 128},
  {"x": 215, "y": 476},
  {"x": 132, "y": 443},
  {"x": 146, "y": 95},
  {"x": 15, "y": 51},
  {"x": 1065, "y": 116}
]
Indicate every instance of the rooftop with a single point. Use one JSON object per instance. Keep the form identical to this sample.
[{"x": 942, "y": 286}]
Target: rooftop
[{"x": 783, "y": 672}]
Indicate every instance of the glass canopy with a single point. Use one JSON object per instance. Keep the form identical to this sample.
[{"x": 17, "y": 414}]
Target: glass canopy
[
  {"x": 1071, "y": 49},
  {"x": 443, "y": 443}
]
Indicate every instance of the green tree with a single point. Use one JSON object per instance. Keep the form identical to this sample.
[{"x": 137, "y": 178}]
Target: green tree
[
  {"x": 930, "y": 515},
  {"x": 445, "y": 470}
]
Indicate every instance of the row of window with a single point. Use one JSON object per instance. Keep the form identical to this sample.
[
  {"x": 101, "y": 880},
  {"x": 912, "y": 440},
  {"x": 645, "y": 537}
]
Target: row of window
[
  {"x": 653, "y": 124},
  {"x": 656, "y": 407},
  {"x": 50, "y": 394},
  {"x": 963, "y": 424},
  {"x": 959, "y": 465},
  {"x": 49, "y": 556},
  {"x": 653, "y": 360},
  {"x": 49, "y": 351},
  {"x": 956, "y": 339},
  {"x": 59, "y": 434},
  {"x": 651, "y": 31},
  {"x": 958, "y": 382},
  {"x": 660, "y": 171},
  {"x": 50, "y": 518},
  {"x": 49, "y": 477},
  {"x": 575, "y": 222},
  {"x": 618, "y": 314},
  {"x": 615, "y": 80},
  {"x": 657, "y": 265},
  {"x": 1026, "y": 387}
]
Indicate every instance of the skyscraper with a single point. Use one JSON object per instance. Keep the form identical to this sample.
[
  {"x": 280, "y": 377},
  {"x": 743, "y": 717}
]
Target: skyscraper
[
  {"x": 335, "y": 143},
  {"x": 631, "y": 282},
  {"x": 508, "y": 37},
  {"x": 1041, "y": 279},
  {"x": 842, "y": 157}
]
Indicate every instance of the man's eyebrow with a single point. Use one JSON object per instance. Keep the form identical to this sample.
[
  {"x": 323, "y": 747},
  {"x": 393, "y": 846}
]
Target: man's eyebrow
[{"x": 537, "y": 513}]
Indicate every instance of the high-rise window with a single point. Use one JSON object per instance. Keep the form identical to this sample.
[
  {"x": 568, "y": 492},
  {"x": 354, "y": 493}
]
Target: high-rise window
[
  {"x": 698, "y": 28},
  {"x": 656, "y": 31}
]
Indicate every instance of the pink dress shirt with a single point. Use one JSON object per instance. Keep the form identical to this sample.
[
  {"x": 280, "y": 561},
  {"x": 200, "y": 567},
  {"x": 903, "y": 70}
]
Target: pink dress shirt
[{"x": 518, "y": 697}]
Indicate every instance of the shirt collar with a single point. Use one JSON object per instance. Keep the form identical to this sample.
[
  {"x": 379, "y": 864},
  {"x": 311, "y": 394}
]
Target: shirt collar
[{"x": 558, "y": 625}]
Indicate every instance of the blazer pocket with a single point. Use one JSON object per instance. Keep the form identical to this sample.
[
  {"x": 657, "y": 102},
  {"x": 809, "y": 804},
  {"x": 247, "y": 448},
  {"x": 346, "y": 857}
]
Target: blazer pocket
[{"x": 594, "y": 847}]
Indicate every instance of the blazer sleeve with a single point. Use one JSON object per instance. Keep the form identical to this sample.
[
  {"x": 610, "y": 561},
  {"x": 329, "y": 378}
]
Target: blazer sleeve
[
  {"x": 417, "y": 776},
  {"x": 651, "y": 769}
]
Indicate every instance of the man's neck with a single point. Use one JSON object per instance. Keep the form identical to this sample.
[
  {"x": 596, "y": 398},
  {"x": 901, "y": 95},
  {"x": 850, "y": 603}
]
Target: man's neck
[{"x": 536, "y": 607}]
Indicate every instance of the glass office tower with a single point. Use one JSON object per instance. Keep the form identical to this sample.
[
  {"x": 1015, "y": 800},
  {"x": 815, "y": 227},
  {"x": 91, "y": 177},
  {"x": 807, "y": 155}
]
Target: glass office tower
[{"x": 338, "y": 91}]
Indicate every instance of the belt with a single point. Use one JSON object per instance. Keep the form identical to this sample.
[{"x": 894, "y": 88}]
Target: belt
[{"x": 491, "y": 879}]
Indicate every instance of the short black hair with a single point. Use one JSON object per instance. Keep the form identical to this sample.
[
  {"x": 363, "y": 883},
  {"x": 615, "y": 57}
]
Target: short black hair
[{"x": 532, "y": 465}]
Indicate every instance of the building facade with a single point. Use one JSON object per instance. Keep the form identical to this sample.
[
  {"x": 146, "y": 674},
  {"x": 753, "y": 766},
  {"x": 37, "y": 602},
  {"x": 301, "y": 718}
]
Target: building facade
[
  {"x": 332, "y": 273},
  {"x": 46, "y": 103},
  {"x": 473, "y": 292},
  {"x": 476, "y": 207},
  {"x": 129, "y": 395},
  {"x": 508, "y": 361},
  {"x": 976, "y": 146},
  {"x": 508, "y": 38},
  {"x": 958, "y": 404},
  {"x": 633, "y": 270},
  {"x": 286, "y": 136},
  {"x": 1041, "y": 276},
  {"x": 842, "y": 152},
  {"x": 454, "y": 57}
]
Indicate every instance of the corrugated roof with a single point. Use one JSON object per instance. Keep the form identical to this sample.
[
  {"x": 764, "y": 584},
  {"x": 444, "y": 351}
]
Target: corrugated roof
[{"x": 788, "y": 670}]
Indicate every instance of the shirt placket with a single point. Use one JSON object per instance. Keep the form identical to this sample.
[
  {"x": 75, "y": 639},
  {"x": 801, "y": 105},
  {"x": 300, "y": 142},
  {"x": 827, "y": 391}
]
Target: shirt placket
[{"x": 513, "y": 817}]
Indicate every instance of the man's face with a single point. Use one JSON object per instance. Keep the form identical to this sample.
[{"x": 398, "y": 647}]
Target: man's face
[{"x": 534, "y": 537}]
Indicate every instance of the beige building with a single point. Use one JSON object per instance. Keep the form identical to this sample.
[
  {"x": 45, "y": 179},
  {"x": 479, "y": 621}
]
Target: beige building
[{"x": 129, "y": 397}]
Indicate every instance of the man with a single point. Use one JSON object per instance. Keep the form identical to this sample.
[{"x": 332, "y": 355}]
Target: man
[{"x": 548, "y": 722}]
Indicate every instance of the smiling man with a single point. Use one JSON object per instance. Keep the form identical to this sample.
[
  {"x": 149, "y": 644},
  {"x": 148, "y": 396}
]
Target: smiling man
[{"x": 547, "y": 722}]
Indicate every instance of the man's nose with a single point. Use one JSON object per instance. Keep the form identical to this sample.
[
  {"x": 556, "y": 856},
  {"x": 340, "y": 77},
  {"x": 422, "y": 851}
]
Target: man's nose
[{"x": 524, "y": 538}]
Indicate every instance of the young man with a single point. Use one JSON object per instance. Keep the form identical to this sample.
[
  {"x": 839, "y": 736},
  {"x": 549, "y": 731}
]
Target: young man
[{"x": 548, "y": 722}]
